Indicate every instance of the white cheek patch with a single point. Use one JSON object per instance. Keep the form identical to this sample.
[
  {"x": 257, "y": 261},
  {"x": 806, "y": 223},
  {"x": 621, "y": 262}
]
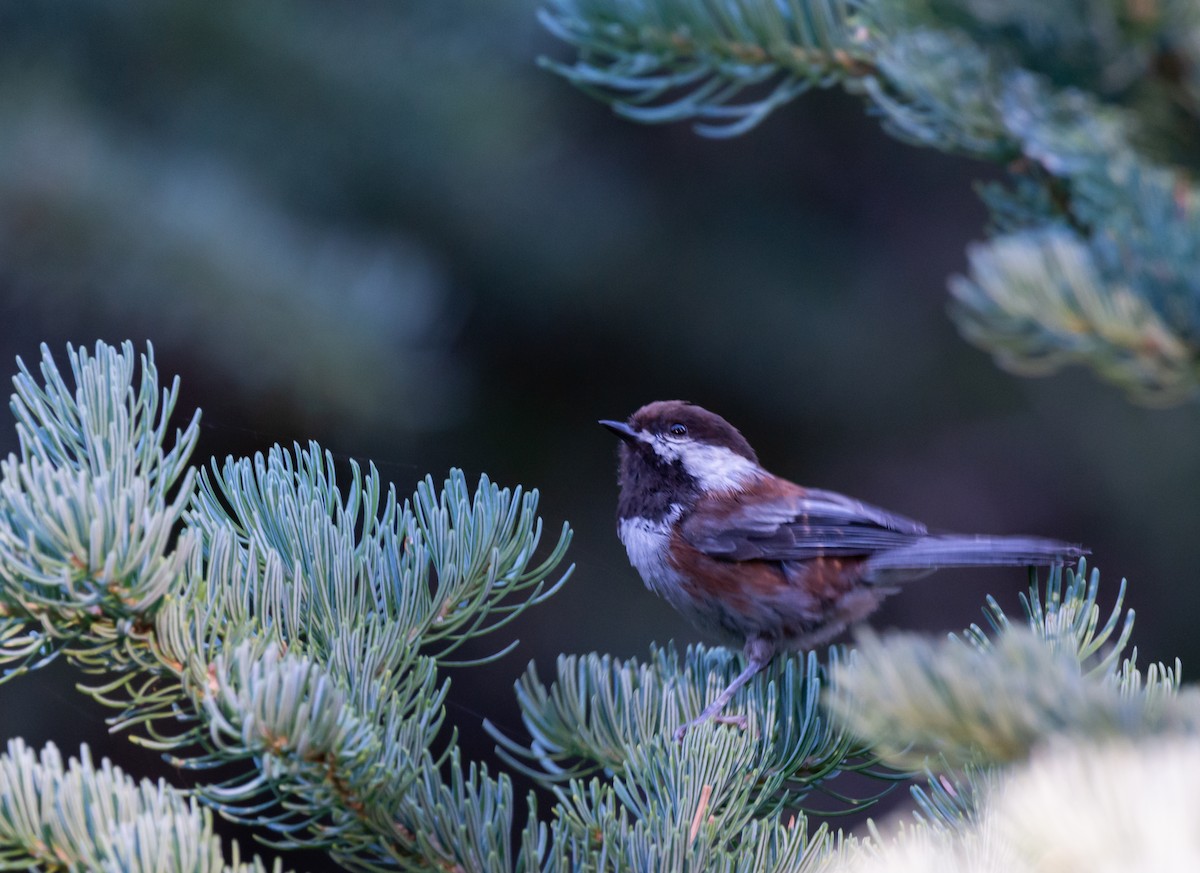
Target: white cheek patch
[{"x": 716, "y": 468}]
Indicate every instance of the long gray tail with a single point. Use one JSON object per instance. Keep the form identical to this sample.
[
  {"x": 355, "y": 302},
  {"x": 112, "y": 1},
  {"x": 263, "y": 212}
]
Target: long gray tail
[{"x": 957, "y": 550}]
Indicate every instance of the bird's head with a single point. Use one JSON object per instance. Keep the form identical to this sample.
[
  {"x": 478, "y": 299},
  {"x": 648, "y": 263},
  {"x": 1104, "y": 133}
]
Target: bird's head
[{"x": 684, "y": 445}]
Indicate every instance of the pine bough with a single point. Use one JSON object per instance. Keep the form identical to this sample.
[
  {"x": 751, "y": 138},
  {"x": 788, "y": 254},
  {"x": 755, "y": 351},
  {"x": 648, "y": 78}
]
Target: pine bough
[
  {"x": 1091, "y": 108},
  {"x": 256, "y": 617}
]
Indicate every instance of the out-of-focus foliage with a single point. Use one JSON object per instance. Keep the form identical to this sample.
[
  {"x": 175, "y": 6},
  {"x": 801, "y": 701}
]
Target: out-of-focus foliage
[
  {"x": 144, "y": 170},
  {"x": 1105, "y": 806},
  {"x": 1092, "y": 108},
  {"x": 1010, "y": 725}
]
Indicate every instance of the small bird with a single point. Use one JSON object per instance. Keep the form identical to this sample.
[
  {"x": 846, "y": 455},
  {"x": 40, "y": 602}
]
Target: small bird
[{"x": 755, "y": 559}]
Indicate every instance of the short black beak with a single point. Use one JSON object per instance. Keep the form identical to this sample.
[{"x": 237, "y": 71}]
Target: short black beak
[{"x": 621, "y": 429}]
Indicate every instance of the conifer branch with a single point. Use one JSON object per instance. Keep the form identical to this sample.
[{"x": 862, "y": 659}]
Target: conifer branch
[
  {"x": 726, "y": 64},
  {"x": 81, "y": 817},
  {"x": 601, "y": 713},
  {"x": 1095, "y": 251},
  {"x": 984, "y": 701},
  {"x": 88, "y": 509},
  {"x": 299, "y": 642},
  {"x": 1023, "y": 713},
  {"x": 289, "y": 631}
]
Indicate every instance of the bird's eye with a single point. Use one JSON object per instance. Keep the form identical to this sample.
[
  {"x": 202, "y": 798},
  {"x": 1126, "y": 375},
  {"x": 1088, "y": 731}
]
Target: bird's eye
[{"x": 678, "y": 429}]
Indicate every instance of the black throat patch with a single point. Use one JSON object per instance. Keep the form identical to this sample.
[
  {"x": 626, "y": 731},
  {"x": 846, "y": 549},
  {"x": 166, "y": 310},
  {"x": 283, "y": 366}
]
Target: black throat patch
[{"x": 649, "y": 485}]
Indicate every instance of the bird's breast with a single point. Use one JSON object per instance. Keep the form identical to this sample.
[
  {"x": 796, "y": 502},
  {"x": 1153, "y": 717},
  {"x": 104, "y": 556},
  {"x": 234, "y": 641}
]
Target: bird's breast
[{"x": 647, "y": 542}]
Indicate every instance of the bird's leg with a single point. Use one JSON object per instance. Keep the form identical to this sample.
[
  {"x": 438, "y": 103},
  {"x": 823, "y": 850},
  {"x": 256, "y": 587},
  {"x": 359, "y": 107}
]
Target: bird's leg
[{"x": 759, "y": 653}]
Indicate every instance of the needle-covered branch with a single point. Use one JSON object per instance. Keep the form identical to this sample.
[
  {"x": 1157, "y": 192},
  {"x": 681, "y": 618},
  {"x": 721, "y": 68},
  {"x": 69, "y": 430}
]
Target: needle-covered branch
[
  {"x": 264, "y": 622},
  {"x": 600, "y": 714},
  {"x": 1092, "y": 110},
  {"x": 77, "y": 816},
  {"x": 288, "y": 631},
  {"x": 995, "y": 717}
]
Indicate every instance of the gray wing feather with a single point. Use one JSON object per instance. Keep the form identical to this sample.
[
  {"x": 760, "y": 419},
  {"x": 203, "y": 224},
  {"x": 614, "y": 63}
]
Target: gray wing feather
[{"x": 817, "y": 523}]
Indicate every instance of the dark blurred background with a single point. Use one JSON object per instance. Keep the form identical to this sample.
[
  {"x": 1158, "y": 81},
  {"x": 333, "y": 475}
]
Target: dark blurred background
[{"x": 379, "y": 225}]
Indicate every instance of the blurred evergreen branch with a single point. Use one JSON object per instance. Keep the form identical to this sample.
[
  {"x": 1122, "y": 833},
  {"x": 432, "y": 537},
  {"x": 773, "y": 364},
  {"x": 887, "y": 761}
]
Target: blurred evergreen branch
[
  {"x": 1091, "y": 109},
  {"x": 664, "y": 61},
  {"x": 1036, "y": 711},
  {"x": 118, "y": 205}
]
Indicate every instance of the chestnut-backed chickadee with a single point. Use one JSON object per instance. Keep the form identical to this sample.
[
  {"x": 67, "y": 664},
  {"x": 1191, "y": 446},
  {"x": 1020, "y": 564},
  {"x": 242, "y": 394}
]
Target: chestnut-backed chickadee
[{"x": 759, "y": 560}]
